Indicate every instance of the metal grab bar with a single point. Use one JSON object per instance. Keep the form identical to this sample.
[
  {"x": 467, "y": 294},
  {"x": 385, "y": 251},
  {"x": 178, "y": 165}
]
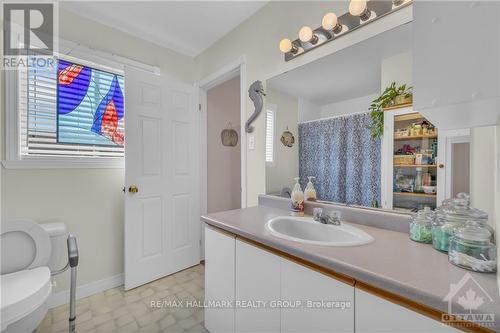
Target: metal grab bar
[{"x": 73, "y": 263}]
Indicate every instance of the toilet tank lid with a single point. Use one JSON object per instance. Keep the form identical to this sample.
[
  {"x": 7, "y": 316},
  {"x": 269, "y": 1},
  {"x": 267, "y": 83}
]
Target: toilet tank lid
[{"x": 54, "y": 229}]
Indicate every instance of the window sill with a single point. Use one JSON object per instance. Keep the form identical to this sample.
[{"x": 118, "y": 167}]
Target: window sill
[{"x": 66, "y": 163}]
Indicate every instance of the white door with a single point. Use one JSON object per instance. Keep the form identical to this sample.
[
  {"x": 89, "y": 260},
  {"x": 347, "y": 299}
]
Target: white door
[
  {"x": 161, "y": 218},
  {"x": 446, "y": 142}
]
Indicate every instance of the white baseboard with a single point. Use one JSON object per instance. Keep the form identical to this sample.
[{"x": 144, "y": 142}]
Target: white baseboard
[{"x": 62, "y": 297}]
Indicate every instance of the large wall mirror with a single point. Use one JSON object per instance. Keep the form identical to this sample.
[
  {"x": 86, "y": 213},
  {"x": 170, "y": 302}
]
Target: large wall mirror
[{"x": 318, "y": 124}]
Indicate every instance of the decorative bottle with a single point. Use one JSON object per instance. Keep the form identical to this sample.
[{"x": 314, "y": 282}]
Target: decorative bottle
[
  {"x": 297, "y": 204},
  {"x": 310, "y": 191}
]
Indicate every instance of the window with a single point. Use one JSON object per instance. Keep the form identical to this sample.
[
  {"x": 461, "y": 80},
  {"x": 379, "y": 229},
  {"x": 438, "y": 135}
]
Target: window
[
  {"x": 70, "y": 110},
  {"x": 270, "y": 114}
]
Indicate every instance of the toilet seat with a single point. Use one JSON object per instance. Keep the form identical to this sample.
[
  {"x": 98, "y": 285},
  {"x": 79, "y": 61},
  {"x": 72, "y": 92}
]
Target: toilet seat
[
  {"x": 40, "y": 240},
  {"x": 23, "y": 292}
]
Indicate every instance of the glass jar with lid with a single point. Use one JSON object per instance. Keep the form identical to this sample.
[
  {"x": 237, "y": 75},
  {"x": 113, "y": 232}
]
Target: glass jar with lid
[
  {"x": 470, "y": 248},
  {"x": 478, "y": 215},
  {"x": 420, "y": 226},
  {"x": 451, "y": 216}
]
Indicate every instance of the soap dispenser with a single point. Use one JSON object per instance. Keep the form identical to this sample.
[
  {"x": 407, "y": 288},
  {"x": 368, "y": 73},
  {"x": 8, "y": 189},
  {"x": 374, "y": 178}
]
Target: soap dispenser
[
  {"x": 310, "y": 191},
  {"x": 297, "y": 204}
]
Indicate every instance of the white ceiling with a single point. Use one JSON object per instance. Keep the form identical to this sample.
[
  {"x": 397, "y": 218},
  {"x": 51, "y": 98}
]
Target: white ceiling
[
  {"x": 188, "y": 27},
  {"x": 349, "y": 73}
]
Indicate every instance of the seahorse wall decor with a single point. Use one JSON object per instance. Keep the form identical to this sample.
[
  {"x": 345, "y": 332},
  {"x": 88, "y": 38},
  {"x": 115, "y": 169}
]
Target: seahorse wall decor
[{"x": 256, "y": 93}]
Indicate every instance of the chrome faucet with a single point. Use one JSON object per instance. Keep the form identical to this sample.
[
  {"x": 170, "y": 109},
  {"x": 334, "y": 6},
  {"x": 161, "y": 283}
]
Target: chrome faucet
[{"x": 332, "y": 217}]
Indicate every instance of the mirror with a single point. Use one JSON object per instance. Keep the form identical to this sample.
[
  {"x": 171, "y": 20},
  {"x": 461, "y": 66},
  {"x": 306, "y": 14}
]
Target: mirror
[{"x": 318, "y": 124}]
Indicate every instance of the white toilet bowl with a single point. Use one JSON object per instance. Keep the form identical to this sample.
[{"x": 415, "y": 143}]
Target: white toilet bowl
[{"x": 29, "y": 252}]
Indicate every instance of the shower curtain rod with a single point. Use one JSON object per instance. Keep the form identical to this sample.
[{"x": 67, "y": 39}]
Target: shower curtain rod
[{"x": 332, "y": 117}]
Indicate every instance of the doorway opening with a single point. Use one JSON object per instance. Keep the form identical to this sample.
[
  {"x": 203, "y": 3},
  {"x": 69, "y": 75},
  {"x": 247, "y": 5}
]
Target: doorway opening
[
  {"x": 223, "y": 146},
  {"x": 228, "y": 81}
]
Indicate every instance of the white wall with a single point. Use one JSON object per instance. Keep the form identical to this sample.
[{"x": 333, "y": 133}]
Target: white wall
[
  {"x": 258, "y": 39},
  {"x": 223, "y": 163},
  {"x": 308, "y": 110},
  {"x": 483, "y": 170},
  {"x": 350, "y": 106},
  {"x": 89, "y": 201},
  {"x": 398, "y": 68},
  {"x": 286, "y": 164}
]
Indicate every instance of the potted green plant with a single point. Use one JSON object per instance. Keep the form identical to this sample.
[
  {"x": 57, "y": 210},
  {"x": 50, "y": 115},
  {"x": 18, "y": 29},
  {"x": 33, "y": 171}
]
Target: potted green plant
[{"x": 391, "y": 96}]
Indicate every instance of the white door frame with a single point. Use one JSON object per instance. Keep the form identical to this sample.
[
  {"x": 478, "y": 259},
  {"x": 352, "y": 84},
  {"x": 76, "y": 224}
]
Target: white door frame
[
  {"x": 387, "y": 152},
  {"x": 228, "y": 71},
  {"x": 445, "y": 149}
]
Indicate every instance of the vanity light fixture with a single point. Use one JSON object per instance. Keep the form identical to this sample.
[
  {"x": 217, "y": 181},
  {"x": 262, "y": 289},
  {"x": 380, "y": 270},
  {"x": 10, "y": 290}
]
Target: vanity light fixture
[
  {"x": 360, "y": 14},
  {"x": 330, "y": 22},
  {"x": 306, "y": 35},
  {"x": 287, "y": 45},
  {"x": 359, "y": 8}
]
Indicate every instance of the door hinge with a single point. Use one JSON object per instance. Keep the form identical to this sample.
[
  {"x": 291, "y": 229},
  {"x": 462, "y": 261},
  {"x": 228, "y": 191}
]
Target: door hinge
[{"x": 199, "y": 107}]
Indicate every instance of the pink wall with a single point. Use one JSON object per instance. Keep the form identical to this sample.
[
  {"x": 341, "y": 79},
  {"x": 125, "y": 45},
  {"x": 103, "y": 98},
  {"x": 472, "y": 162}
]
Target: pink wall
[{"x": 223, "y": 163}]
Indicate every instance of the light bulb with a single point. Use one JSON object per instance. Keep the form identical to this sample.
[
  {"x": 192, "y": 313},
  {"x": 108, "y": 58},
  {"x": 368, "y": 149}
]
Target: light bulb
[
  {"x": 306, "y": 35},
  {"x": 285, "y": 45},
  {"x": 359, "y": 8},
  {"x": 331, "y": 22}
]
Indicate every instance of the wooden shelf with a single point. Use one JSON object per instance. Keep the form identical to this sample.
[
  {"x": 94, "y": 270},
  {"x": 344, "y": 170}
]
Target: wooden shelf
[
  {"x": 415, "y": 137},
  {"x": 415, "y": 166},
  {"x": 406, "y": 117},
  {"x": 410, "y": 194},
  {"x": 399, "y": 106}
]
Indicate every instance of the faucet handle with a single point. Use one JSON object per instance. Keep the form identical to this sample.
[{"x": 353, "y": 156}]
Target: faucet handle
[
  {"x": 335, "y": 216},
  {"x": 317, "y": 212}
]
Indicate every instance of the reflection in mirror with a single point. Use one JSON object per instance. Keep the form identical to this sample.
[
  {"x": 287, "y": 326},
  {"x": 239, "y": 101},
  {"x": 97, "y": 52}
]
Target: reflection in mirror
[{"x": 325, "y": 107}]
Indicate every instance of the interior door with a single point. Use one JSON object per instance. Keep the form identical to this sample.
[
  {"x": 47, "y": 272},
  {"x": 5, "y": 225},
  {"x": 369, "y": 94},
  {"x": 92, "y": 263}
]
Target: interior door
[
  {"x": 446, "y": 142},
  {"x": 161, "y": 173}
]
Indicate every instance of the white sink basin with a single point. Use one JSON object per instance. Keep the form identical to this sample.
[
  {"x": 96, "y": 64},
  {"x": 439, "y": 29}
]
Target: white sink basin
[{"x": 306, "y": 230}]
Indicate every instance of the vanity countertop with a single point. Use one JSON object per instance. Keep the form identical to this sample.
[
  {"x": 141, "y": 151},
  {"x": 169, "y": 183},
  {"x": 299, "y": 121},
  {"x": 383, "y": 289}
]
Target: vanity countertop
[{"x": 392, "y": 262}]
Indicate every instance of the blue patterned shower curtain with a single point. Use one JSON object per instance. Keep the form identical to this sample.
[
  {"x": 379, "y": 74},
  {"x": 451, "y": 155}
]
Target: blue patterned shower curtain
[{"x": 344, "y": 158}]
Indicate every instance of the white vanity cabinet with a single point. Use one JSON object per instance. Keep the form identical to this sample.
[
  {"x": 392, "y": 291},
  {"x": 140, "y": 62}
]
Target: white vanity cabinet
[
  {"x": 248, "y": 275},
  {"x": 245, "y": 274},
  {"x": 219, "y": 280},
  {"x": 376, "y": 315},
  {"x": 456, "y": 62}
]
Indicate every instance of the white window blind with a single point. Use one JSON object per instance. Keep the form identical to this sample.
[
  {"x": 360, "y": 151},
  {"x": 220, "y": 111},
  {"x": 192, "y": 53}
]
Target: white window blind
[
  {"x": 269, "y": 136},
  {"x": 38, "y": 119}
]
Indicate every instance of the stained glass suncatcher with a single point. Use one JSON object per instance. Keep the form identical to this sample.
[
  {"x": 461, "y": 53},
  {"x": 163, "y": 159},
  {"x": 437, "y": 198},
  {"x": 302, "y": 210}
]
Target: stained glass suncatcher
[{"x": 90, "y": 106}]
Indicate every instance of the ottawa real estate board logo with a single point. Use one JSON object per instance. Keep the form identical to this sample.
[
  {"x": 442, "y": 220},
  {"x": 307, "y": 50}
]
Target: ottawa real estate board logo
[
  {"x": 467, "y": 303},
  {"x": 29, "y": 29}
]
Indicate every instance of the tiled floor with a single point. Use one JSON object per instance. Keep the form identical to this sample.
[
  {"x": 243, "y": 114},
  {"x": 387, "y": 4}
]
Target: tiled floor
[{"x": 116, "y": 310}]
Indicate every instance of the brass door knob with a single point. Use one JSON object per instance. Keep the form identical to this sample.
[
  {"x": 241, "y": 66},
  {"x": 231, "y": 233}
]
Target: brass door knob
[
  {"x": 440, "y": 165},
  {"x": 133, "y": 189}
]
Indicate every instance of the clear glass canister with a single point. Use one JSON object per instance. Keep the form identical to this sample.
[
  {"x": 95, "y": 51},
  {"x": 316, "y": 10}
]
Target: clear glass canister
[
  {"x": 470, "y": 248},
  {"x": 420, "y": 226},
  {"x": 451, "y": 216}
]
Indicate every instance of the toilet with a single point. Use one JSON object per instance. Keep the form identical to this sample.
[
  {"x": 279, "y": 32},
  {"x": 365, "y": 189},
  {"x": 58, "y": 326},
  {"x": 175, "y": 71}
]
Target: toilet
[{"x": 29, "y": 253}]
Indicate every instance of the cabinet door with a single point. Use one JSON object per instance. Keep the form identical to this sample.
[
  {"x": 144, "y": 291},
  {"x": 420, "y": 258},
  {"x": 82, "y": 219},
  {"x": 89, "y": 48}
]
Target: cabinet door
[
  {"x": 324, "y": 314},
  {"x": 219, "y": 280},
  {"x": 257, "y": 280},
  {"x": 374, "y": 314}
]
